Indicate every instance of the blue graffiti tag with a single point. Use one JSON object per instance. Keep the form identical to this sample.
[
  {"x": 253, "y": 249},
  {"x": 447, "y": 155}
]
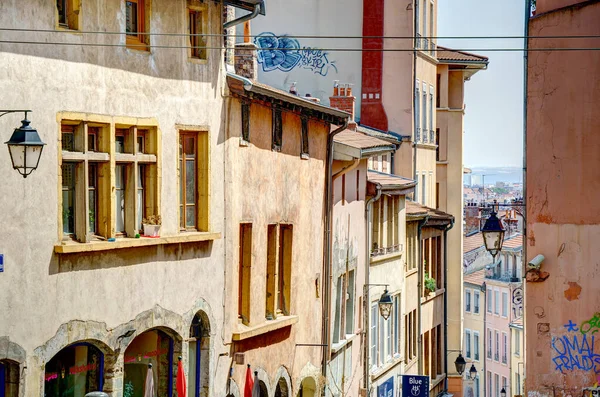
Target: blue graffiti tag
[
  {"x": 575, "y": 351},
  {"x": 285, "y": 53}
]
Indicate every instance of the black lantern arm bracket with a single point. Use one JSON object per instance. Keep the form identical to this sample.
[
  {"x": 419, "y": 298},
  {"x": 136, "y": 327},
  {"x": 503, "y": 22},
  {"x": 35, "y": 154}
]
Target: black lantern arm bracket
[{"x": 5, "y": 112}]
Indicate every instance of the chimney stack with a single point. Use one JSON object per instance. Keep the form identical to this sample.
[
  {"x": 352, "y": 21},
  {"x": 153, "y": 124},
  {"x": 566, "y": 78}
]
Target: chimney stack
[
  {"x": 245, "y": 61},
  {"x": 342, "y": 99}
]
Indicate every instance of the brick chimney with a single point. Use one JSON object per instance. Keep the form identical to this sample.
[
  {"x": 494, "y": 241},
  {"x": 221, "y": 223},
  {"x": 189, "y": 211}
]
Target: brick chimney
[
  {"x": 471, "y": 218},
  {"x": 246, "y": 64},
  {"x": 343, "y": 99}
]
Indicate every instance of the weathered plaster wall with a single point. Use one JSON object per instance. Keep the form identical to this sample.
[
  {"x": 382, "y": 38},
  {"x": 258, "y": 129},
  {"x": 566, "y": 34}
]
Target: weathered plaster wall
[
  {"x": 563, "y": 213},
  {"x": 40, "y": 292},
  {"x": 265, "y": 187},
  {"x": 349, "y": 233}
]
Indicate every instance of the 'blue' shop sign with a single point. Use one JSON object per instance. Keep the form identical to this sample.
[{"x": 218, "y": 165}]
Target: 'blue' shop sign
[
  {"x": 386, "y": 389},
  {"x": 415, "y": 386}
]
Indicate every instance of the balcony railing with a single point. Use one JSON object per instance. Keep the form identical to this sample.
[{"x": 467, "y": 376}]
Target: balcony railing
[
  {"x": 504, "y": 359},
  {"x": 386, "y": 250},
  {"x": 418, "y": 41},
  {"x": 418, "y": 135},
  {"x": 432, "y": 49},
  {"x": 432, "y": 136},
  {"x": 496, "y": 274},
  {"x": 425, "y": 44}
]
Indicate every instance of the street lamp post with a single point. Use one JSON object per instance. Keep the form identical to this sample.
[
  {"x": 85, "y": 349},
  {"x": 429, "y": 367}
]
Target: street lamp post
[{"x": 24, "y": 146}]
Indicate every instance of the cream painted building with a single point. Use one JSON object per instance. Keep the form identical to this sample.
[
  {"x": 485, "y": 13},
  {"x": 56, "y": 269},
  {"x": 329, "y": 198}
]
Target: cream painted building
[
  {"x": 133, "y": 126},
  {"x": 275, "y": 182}
]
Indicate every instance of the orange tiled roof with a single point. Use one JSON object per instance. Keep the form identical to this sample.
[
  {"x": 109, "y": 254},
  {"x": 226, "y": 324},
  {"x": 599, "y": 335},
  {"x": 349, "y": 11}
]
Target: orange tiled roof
[
  {"x": 389, "y": 180},
  {"x": 447, "y": 54},
  {"x": 359, "y": 140},
  {"x": 514, "y": 242},
  {"x": 416, "y": 209},
  {"x": 476, "y": 278},
  {"x": 472, "y": 242}
]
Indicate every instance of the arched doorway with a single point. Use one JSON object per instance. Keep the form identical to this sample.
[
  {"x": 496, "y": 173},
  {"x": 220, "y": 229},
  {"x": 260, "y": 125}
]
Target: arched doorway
[
  {"x": 150, "y": 352},
  {"x": 282, "y": 388},
  {"x": 264, "y": 392},
  {"x": 199, "y": 356},
  {"x": 9, "y": 378},
  {"x": 74, "y": 371},
  {"x": 308, "y": 388}
]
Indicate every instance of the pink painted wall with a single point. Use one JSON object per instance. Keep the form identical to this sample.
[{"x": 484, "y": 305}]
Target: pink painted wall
[{"x": 563, "y": 210}]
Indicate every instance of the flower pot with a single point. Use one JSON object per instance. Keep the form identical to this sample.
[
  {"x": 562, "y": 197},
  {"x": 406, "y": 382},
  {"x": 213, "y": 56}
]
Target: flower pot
[{"x": 151, "y": 230}]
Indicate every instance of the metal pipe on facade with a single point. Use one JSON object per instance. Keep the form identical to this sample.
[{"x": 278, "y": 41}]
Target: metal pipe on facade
[
  {"x": 327, "y": 248},
  {"x": 450, "y": 226},
  {"x": 422, "y": 223},
  {"x": 244, "y": 18},
  {"x": 366, "y": 311},
  {"x": 414, "y": 84}
]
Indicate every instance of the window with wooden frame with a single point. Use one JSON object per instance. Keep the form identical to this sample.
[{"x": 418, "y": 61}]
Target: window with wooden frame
[
  {"x": 304, "y": 152},
  {"x": 68, "y": 12},
  {"x": 277, "y": 127},
  {"x": 279, "y": 270},
  {"x": 246, "y": 121},
  {"x": 137, "y": 24},
  {"x": 245, "y": 273},
  {"x": 196, "y": 29},
  {"x": 107, "y": 189},
  {"x": 193, "y": 181}
]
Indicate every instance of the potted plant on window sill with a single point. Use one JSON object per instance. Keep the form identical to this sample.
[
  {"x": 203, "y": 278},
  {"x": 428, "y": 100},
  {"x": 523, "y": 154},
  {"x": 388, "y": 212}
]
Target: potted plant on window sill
[
  {"x": 151, "y": 226},
  {"x": 430, "y": 284}
]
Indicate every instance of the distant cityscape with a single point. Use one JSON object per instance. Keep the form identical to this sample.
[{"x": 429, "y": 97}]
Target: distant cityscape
[{"x": 485, "y": 184}]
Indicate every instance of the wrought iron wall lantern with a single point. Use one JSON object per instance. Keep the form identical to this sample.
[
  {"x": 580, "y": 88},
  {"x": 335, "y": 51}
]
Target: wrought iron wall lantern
[{"x": 24, "y": 146}]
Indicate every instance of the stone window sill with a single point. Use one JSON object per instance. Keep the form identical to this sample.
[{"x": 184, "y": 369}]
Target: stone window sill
[
  {"x": 72, "y": 247},
  {"x": 336, "y": 347},
  {"x": 246, "y": 332}
]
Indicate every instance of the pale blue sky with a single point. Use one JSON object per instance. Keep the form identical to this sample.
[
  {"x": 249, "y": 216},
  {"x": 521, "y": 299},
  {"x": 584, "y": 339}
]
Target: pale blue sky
[{"x": 494, "y": 97}]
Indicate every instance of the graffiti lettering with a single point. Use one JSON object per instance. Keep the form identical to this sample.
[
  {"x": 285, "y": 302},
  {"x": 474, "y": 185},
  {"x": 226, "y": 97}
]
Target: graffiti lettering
[
  {"x": 285, "y": 53},
  {"x": 593, "y": 324},
  {"x": 575, "y": 352}
]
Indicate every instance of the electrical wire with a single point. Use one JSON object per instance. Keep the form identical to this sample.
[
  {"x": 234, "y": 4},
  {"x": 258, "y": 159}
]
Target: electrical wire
[
  {"x": 145, "y": 46},
  {"x": 66, "y": 31}
]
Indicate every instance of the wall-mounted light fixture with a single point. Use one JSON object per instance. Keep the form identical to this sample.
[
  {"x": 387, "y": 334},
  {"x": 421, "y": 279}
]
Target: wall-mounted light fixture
[{"x": 24, "y": 146}]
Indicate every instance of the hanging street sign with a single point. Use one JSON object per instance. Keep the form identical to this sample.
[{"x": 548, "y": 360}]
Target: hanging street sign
[{"x": 415, "y": 386}]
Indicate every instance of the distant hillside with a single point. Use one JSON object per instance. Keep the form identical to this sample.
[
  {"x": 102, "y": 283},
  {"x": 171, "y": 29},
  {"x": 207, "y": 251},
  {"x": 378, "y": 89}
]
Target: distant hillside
[{"x": 496, "y": 174}]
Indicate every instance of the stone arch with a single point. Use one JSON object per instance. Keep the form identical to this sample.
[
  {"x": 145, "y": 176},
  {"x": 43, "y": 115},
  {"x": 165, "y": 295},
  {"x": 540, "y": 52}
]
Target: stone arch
[
  {"x": 283, "y": 383},
  {"x": 265, "y": 384},
  {"x": 308, "y": 387},
  {"x": 199, "y": 355},
  {"x": 156, "y": 348}
]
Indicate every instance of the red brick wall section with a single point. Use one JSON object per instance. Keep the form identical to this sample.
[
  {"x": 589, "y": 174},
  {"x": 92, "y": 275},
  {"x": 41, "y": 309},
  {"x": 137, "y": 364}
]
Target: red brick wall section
[{"x": 372, "y": 110}]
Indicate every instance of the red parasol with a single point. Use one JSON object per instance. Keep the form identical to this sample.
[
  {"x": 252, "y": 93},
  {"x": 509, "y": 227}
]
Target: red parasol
[
  {"x": 181, "y": 388},
  {"x": 249, "y": 383}
]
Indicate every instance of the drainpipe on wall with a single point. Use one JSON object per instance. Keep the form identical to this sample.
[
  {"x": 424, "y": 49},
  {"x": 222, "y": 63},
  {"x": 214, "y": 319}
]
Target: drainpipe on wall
[
  {"x": 525, "y": 63},
  {"x": 366, "y": 300},
  {"x": 414, "y": 93},
  {"x": 247, "y": 17},
  {"x": 327, "y": 250},
  {"x": 450, "y": 226},
  {"x": 422, "y": 223}
]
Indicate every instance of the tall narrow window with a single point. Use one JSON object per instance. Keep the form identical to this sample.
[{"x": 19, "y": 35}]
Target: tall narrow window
[
  {"x": 424, "y": 129},
  {"x": 476, "y": 346},
  {"x": 304, "y": 152},
  {"x": 9, "y": 378},
  {"x": 488, "y": 299},
  {"x": 489, "y": 343},
  {"x": 396, "y": 325},
  {"x": 417, "y": 112},
  {"x": 496, "y": 302},
  {"x": 136, "y": 25},
  {"x": 120, "y": 180},
  {"x": 374, "y": 321},
  {"x": 431, "y": 110},
  {"x": 438, "y": 85},
  {"x": 424, "y": 23},
  {"x": 476, "y": 295},
  {"x": 93, "y": 197},
  {"x": 68, "y": 197},
  {"x": 285, "y": 269},
  {"x": 272, "y": 248},
  {"x": 417, "y": 31},
  {"x": 141, "y": 202},
  {"x": 187, "y": 184},
  {"x": 497, "y": 351},
  {"x": 504, "y": 304},
  {"x": 424, "y": 190},
  {"x": 517, "y": 342},
  {"x": 277, "y": 130},
  {"x": 245, "y": 272},
  {"x": 196, "y": 29},
  {"x": 68, "y": 14},
  {"x": 349, "y": 309},
  {"x": 504, "y": 347},
  {"x": 468, "y": 343},
  {"x": 246, "y": 121},
  {"x": 468, "y": 301}
]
